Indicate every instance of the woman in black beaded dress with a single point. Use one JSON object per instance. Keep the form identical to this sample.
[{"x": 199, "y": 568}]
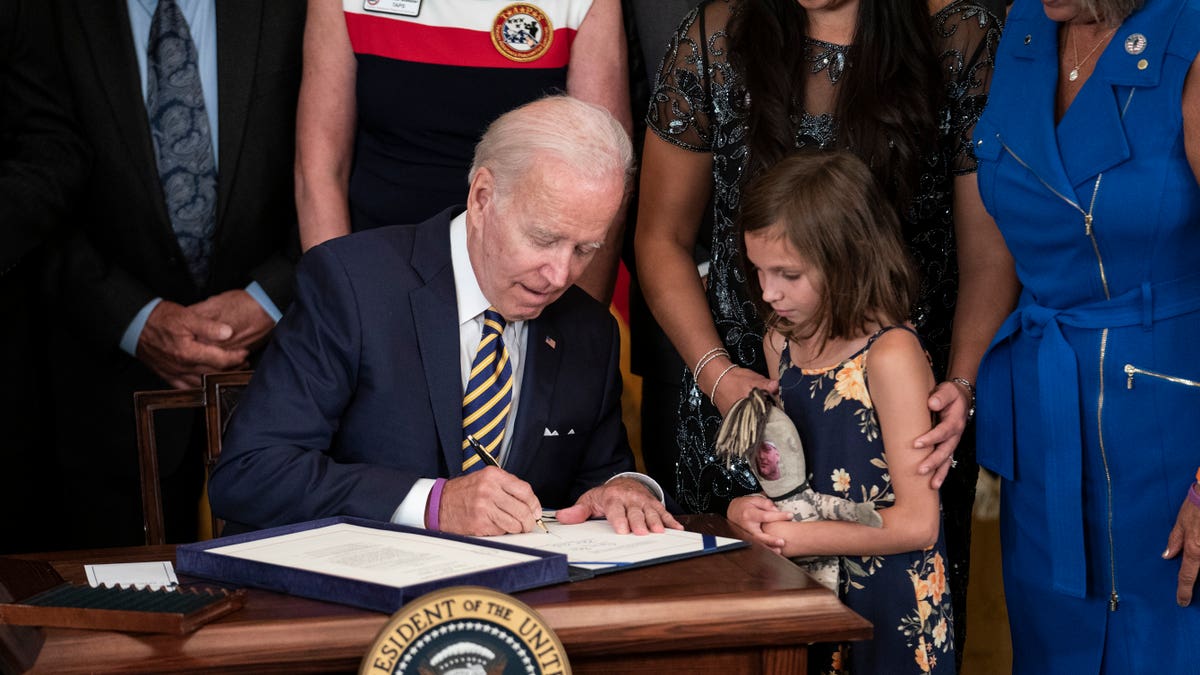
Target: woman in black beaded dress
[{"x": 743, "y": 83}]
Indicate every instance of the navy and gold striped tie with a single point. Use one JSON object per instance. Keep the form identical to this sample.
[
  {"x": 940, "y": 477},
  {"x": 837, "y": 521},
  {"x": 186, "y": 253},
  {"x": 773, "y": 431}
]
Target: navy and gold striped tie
[{"x": 488, "y": 396}]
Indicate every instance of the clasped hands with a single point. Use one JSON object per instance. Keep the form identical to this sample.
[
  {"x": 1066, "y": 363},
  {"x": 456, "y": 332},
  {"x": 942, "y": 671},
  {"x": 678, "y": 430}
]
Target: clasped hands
[
  {"x": 492, "y": 501},
  {"x": 948, "y": 401},
  {"x": 182, "y": 343}
]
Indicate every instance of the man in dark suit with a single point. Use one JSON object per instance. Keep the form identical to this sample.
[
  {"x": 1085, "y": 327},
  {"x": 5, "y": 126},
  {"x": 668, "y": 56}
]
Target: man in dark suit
[
  {"x": 42, "y": 166},
  {"x": 179, "y": 260},
  {"x": 362, "y": 404}
]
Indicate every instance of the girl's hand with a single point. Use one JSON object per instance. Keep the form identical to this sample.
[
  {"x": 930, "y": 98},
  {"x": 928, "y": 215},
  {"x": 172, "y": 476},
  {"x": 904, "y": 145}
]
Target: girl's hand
[
  {"x": 751, "y": 512},
  {"x": 737, "y": 385},
  {"x": 950, "y": 402}
]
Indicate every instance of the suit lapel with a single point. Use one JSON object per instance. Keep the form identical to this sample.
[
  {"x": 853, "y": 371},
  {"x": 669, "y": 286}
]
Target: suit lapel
[
  {"x": 106, "y": 24},
  {"x": 239, "y": 23},
  {"x": 437, "y": 335},
  {"x": 1099, "y": 142},
  {"x": 543, "y": 354},
  {"x": 1030, "y": 135}
]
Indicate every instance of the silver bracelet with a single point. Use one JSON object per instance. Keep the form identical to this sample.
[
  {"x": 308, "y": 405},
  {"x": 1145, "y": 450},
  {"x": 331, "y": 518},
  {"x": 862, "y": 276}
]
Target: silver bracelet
[
  {"x": 713, "y": 396},
  {"x": 704, "y": 358},
  {"x": 971, "y": 390},
  {"x": 709, "y": 357}
]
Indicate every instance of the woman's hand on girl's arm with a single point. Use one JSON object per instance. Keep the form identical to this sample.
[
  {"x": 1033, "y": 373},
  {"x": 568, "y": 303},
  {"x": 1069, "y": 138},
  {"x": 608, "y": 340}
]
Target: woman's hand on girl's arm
[
  {"x": 751, "y": 513},
  {"x": 987, "y": 292},
  {"x": 899, "y": 375},
  {"x": 737, "y": 385},
  {"x": 726, "y": 383},
  {"x": 950, "y": 402}
]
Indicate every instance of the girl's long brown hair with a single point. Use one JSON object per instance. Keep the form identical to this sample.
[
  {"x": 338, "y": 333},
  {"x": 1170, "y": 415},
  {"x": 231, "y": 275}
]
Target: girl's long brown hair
[{"x": 830, "y": 209}]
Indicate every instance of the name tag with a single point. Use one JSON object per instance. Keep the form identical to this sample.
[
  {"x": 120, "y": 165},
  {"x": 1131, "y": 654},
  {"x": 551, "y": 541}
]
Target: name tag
[{"x": 401, "y": 7}]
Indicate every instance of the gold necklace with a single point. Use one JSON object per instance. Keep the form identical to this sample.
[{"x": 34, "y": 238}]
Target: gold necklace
[{"x": 1074, "y": 73}]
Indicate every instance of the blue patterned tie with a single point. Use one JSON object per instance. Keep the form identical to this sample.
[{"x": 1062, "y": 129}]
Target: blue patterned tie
[
  {"x": 182, "y": 139},
  {"x": 488, "y": 397}
]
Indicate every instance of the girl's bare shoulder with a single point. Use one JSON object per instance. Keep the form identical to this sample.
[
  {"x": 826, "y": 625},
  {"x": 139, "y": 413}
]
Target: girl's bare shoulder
[{"x": 897, "y": 357}]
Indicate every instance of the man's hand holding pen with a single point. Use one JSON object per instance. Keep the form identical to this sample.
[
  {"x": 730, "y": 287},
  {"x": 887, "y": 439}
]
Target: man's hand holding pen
[
  {"x": 488, "y": 460},
  {"x": 488, "y": 502},
  {"x": 498, "y": 502}
]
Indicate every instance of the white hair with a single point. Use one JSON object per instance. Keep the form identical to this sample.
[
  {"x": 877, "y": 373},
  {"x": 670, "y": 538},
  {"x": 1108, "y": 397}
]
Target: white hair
[{"x": 585, "y": 137}]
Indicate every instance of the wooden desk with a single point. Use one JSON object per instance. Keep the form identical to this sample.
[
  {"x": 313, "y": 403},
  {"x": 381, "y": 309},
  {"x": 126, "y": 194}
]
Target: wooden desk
[{"x": 745, "y": 611}]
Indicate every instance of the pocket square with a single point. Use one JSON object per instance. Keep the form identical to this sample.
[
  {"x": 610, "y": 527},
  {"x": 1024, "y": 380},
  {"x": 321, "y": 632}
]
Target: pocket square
[{"x": 548, "y": 432}]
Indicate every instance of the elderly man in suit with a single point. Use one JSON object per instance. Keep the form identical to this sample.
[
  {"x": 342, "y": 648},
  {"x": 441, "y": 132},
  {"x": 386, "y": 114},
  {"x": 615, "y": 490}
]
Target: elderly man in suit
[
  {"x": 178, "y": 263},
  {"x": 404, "y": 342}
]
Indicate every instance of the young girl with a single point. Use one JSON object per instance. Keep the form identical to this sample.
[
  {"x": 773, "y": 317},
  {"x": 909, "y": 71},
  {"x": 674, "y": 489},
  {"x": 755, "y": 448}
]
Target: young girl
[{"x": 836, "y": 286}]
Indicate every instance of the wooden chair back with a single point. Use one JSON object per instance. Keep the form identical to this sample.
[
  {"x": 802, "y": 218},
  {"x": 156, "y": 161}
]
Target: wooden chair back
[{"x": 218, "y": 395}]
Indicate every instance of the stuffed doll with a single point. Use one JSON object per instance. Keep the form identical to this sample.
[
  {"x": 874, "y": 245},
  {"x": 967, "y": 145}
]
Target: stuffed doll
[{"x": 757, "y": 430}]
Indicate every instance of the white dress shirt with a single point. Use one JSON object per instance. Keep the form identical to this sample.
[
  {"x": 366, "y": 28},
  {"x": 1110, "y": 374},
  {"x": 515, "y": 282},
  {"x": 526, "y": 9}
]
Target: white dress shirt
[{"x": 471, "y": 305}]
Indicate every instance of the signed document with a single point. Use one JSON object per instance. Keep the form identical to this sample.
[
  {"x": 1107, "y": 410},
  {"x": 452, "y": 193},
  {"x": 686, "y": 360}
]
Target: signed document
[
  {"x": 373, "y": 555},
  {"x": 367, "y": 563},
  {"x": 593, "y": 545}
]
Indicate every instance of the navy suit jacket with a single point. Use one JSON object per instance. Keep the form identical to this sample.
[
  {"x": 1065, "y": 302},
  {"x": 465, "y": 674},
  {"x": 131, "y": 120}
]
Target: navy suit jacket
[{"x": 360, "y": 392}]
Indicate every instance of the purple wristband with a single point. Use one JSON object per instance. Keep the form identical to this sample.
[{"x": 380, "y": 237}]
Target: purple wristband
[
  {"x": 1194, "y": 496},
  {"x": 434, "y": 505}
]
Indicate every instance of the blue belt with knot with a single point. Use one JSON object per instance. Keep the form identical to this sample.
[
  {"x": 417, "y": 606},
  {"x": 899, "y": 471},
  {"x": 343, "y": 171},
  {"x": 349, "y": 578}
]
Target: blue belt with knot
[{"x": 1058, "y": 401}]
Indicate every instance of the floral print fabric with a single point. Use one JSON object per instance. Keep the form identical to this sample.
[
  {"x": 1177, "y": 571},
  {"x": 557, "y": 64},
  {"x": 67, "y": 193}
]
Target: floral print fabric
[{"x": 906, "y": 596}]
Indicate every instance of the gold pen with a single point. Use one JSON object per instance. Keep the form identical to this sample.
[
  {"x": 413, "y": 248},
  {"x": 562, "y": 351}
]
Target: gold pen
[{"x": 486, "y": 458}]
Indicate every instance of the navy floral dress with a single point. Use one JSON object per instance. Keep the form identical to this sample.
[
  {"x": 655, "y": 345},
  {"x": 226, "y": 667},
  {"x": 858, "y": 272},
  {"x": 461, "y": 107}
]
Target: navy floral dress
[{"x": 906, "y": 596}]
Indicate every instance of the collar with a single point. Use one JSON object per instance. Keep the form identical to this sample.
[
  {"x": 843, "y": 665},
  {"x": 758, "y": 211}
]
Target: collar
[
  {"x": 470, "y": 298},
  {"x": 1154, "y": 22}
]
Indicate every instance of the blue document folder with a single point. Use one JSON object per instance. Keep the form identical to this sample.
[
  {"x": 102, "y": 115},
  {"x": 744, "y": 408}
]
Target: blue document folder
[{"x": 309, "y": 560}]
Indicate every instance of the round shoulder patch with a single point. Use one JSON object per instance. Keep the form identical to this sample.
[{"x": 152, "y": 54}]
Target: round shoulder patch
[
  {"x": 522, "y": 32},
  {"x": 466, "y": 630}
]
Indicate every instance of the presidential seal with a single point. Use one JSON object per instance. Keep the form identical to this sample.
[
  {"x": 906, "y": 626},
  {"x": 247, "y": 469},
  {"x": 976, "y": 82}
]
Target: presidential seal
[
  {"x": 466, "y": 630},
  {"x": 522, "y": 32}
]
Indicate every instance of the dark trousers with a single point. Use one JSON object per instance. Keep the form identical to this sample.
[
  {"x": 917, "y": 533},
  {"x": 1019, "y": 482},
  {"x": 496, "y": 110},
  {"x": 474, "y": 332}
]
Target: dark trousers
[
  {"x": 29, "y": 491},
  {"x": 104, "y": 508}
]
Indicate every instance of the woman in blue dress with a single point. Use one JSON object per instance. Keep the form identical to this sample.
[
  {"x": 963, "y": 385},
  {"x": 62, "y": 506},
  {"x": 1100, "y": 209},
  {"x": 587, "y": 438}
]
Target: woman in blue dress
[{"x": 1089, "y": 153}]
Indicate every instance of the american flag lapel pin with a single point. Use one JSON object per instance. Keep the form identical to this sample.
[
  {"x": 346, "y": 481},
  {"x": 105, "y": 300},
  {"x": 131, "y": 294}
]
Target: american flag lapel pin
[{"x": 550, "y": 342}]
